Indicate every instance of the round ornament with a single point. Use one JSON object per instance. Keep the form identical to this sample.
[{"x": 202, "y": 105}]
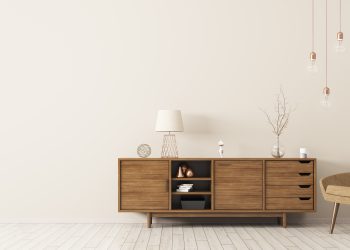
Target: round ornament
[
  {"x": 144, "y": 150},
  {"x": 189, "y": 173}
]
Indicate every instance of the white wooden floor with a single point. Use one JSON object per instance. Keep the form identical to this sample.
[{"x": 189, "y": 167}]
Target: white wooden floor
[{"x": 167, "y": 236}]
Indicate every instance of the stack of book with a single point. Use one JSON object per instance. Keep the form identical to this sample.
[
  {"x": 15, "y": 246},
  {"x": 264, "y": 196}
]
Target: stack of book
[{"x": 184, "y": 188}]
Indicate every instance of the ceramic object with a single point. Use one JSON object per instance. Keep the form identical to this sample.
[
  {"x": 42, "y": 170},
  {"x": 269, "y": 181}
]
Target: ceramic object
[
  {"x": 184, "y": 168},
  {"x": 221, "y": 148},
  {"x": 180, "y": 173},
  {"x": 303, "y": 153},
  {"x": 189, "y": 173}
]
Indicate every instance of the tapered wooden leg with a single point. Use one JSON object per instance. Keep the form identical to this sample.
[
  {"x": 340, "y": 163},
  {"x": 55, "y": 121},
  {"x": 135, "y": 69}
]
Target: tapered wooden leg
[
  {"x": 334, "y": 218},
  {"x": 284, "y": 220},
  {"x": 149, "y": 220}
]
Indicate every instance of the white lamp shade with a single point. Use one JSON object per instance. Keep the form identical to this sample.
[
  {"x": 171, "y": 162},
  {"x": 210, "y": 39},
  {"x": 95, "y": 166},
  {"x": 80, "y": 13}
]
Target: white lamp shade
[{"x": 169, "y": 121}]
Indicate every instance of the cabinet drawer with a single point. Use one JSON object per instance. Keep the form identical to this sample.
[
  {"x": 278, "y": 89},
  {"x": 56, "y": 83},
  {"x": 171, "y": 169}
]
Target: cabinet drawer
[
  {"x": 289, "y": 173},
  {"x": 233, "y": 202},
  {"x": 290, "y": 181},
  {"x": 283, "y": 168},
  {"x": 289, "y": 191},
  {"x": 297, "y": 203}
]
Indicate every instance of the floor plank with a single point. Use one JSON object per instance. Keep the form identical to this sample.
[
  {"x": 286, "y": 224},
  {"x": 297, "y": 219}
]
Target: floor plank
[
  {"x": 99, "y": 236},
  {"x": 156, "y": 233},
  {"x": 237, "y": 241},
  {"x": 120, "y": 238},
  {"x": 199, "y": 233},
  {"x": 171, "y": 236},
  {"x": 108, "y": 239},
  {"x": 178, "y": 237},
  {"x": 166, "y": 239},
  {"x": 222, "y": 235},
  {"x": 203, "y": 245},
  {"x": 212, "y": 238},
  {"x": 189, "y": 239}
]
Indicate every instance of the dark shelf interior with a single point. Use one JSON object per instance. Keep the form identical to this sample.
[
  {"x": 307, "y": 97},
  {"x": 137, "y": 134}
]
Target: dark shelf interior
[
  {"x": 198, "y": 186},
  {"x": 200, "y": 168},
  {"x": 176, "y": 200}
]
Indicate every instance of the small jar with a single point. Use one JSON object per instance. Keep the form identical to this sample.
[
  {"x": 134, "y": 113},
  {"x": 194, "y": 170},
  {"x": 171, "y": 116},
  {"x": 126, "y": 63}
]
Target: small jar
[{"x": 303, "y": 153}]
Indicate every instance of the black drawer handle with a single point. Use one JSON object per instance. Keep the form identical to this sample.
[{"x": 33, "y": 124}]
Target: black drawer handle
[
  {"x": 304, "y": 198},
  {"x": 304, "y": 161},
  {"x": 304, "y": 174},
  {"x": 304, "y": 186}
]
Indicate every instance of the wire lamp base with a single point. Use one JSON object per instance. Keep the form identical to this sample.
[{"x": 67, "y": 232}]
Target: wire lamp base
[{"x": 169, "y": 148}]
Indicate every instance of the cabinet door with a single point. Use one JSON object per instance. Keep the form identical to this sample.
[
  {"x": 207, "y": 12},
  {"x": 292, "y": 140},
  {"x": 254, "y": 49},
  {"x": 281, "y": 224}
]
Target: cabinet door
[
  {"x": 144, "y": 185},
  {"x": 238, "y": 185}
]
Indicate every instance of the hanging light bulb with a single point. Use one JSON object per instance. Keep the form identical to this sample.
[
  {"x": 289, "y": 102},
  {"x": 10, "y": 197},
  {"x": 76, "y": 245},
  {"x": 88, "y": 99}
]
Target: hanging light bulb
[
  {"x": 325, "y": 101},
  {"x": 340, "y": 44},
  {"x": 312, "y": 66},
  {"x": 340, "y": 35}
]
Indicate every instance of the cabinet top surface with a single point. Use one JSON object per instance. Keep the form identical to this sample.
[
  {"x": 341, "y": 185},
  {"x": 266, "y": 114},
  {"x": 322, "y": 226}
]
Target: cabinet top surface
[{"x": 217, "y": 159}]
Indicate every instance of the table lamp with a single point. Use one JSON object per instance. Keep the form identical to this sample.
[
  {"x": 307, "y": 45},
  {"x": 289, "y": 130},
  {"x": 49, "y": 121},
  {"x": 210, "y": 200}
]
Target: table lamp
[{"x": 169, "y": 121}]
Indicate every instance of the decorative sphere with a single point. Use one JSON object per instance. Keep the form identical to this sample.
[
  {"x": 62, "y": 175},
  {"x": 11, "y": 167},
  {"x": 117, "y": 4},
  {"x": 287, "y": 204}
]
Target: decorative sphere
[
  {"x": 189, "y": 173},
  {"x": 144, "y": 150}
]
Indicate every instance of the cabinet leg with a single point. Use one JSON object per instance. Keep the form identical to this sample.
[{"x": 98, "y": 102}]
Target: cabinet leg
[
  {"x": 149, "y": 220},
  {"x": 284, "y": 220}
]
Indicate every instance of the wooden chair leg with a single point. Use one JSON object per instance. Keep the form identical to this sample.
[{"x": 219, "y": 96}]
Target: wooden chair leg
[
  {"x": 149, "y": 220},
  {"x": 334, "y": 217}
]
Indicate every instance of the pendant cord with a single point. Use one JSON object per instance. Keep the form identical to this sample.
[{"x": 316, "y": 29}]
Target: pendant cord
[
  {"x": 339, "y": 15},
  {"x": 326, "y": 43},
  {"x": 313, "y": 25}
]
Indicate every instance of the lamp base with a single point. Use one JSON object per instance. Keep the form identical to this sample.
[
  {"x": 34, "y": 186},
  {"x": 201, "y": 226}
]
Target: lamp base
[{"x": 169, "y": 148}]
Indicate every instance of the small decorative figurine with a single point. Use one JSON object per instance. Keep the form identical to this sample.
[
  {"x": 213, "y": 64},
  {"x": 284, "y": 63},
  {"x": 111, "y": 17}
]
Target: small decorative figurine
[
  {"x": 180, "y": 173},
  {"x": 184, "y": 168},
  {"x": 221, "y": 148},
  {"x": 189, "y": 173}
]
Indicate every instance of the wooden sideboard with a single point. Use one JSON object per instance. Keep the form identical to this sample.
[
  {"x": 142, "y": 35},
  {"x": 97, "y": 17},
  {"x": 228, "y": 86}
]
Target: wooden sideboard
[{"x": 230, "y": 187}]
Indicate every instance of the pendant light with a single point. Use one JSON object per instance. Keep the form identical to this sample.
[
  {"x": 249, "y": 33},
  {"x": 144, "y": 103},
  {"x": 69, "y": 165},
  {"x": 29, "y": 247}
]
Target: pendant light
[
  {"x": 312, "y": 67},
  {"x": 340, "y": 36},
  {"x": 326, "y": 90}
]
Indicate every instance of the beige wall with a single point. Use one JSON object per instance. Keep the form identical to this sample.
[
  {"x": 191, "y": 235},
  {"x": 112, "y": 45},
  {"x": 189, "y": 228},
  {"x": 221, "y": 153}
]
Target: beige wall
[{"x": 81, "y": 82}]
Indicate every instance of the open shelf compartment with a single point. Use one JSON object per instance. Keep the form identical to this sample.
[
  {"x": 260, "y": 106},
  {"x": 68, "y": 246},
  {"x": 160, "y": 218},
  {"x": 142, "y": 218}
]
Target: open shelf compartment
[
  {"x": 198, "y": 186},
  {"x": 201, "y": 169},
  {"x": 197, "y": 200},
  {"x": 200, "y": 197}
]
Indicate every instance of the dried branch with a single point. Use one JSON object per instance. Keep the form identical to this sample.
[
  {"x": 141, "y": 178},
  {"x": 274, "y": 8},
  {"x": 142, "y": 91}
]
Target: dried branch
[
  {"x": 279, "y": 124},
  {"x": 270, "y": 121}
]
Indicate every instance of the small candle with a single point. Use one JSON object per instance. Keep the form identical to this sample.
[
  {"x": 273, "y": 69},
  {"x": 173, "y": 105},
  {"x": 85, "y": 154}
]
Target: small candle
[{"x": 303, "y": 153}]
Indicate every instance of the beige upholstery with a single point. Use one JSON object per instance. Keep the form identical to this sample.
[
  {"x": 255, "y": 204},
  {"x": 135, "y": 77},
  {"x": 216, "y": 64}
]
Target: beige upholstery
[{"x": 336, "y": 188}]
